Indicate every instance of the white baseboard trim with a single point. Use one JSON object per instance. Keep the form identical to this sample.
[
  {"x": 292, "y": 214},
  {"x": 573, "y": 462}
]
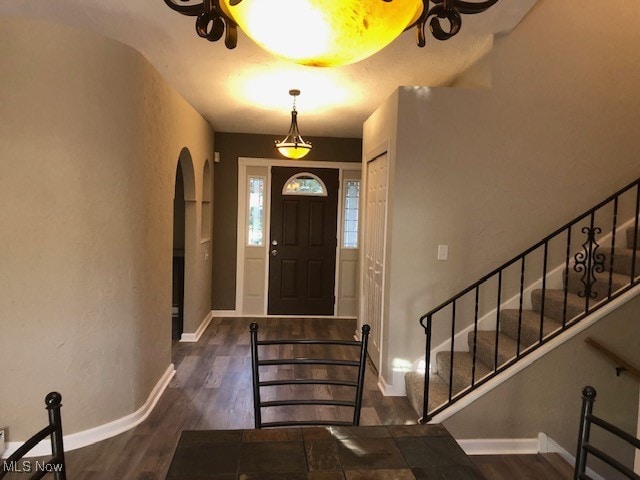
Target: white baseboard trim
[
  {"x": 102, "y": 432},
  {"x": 395, "y": 389},
  {"x": 500, "y": 446},
  {"x": 224, "y": 313},
  {"x": 519, "y": 446},
  {"x": 383, "y": 386},
  {"x": 194, "y": 337},
  {"x": 553, "y": 447}
]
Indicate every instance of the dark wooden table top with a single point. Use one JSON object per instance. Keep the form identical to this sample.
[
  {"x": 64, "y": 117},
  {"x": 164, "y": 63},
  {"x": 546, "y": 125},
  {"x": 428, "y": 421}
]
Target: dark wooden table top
[{"x": 400, "y": 452}]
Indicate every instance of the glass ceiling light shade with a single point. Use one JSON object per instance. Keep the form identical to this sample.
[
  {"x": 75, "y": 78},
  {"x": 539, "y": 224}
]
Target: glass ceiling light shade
[
  {"x": 326, "y": 32},
  {"x": 293, "y": 146},
  {"x": 323, "y": 33}
]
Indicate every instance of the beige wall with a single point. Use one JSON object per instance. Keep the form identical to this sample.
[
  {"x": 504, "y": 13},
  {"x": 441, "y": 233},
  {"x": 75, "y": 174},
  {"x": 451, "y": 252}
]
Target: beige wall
[
  {"x": 90, "y": 137},
  {"x": 490, "y": 172},
  {"x": 534, "y": 401}
]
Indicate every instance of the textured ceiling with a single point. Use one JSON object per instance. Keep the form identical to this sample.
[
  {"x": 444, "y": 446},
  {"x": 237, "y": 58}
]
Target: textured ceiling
[{"x": 246, "y": 89}]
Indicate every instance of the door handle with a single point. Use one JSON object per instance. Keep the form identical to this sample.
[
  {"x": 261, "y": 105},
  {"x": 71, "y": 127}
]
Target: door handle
[
  {"x": 274, "y": 252},
  {"x": 274, "y": 243}
]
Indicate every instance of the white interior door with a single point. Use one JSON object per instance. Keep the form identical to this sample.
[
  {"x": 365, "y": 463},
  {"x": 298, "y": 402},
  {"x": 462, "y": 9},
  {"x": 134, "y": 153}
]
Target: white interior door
[{"x": 374, "y": 239}]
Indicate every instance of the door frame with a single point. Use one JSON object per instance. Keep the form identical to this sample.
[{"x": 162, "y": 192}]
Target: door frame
[{"x": 243, "y": 163}]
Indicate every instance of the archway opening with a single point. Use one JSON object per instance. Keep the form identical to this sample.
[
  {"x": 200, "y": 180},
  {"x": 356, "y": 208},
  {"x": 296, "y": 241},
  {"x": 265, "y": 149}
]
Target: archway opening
[
  {"x": 177, "y": 295},
  {"x": 184, "y": 249}
]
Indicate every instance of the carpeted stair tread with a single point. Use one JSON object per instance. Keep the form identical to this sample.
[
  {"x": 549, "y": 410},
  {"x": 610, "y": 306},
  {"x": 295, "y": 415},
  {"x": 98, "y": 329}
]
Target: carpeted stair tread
[
  {"x": 530, "y": 330},
  {"x": 622, "y": 260},
  {"x": 438, "y": 390},
  {"x": 554, "y": 304},
  {"x": 486, "y": 347},
  {"x": 601, "y": 285},
  {"x": 463, "y": 363}
]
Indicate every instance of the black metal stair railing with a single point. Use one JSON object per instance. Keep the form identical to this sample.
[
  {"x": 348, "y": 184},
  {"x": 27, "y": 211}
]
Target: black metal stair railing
[{"x": 588, "y": 234}]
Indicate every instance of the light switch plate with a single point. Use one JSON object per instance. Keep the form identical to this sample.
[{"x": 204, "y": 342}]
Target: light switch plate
[{"x": 443, "y": 252}]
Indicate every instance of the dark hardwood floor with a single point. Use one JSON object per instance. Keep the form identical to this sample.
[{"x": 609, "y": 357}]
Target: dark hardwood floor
[
  {"x": 212, "y": 390},
  {"x": 549, "y": 466}
]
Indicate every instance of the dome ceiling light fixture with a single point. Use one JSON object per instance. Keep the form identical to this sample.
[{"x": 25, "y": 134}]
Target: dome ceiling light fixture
[
  {"x": 293, "y": 146},
  {"x": 326, "y": 33}
]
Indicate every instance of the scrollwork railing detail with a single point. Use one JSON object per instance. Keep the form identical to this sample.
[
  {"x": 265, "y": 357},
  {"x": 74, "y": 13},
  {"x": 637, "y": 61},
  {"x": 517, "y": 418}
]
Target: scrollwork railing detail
[{"x": 589, "y": 262}]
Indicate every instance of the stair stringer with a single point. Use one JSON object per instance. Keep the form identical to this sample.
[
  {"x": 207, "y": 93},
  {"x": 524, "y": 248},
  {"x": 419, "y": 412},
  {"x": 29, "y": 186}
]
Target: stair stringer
[{"x": 529, "y": 359}]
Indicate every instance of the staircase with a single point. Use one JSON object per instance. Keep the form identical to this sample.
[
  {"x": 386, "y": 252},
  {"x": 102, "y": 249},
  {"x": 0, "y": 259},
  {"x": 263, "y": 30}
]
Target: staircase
[{"x": 595, "y": 268}]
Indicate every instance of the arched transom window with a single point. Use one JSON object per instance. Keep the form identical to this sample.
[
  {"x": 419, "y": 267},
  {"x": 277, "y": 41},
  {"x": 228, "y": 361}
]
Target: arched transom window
[{"x": 305, "y": 184}]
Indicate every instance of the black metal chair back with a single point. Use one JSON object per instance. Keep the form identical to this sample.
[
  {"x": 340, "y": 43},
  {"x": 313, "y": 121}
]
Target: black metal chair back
[
  {"x": 357, "y": 383},
  {"x": 56, "y": 464},
  {"x": 585, "y": 447}
]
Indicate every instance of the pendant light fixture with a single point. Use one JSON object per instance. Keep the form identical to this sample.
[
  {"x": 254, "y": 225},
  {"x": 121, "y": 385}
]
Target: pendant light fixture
[
  {"x": 326, "y": 32},
  {"x": 293, "y": 146}
]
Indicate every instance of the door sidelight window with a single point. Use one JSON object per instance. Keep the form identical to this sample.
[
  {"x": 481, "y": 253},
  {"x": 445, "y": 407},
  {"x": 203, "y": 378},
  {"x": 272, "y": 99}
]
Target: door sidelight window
[
  {"x": 255, "y": 234},
  {"x": 350, "y": 214}
]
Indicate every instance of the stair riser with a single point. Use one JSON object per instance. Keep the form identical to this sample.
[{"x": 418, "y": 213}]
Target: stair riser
[
  {"x": 554, "y": 307},
  {"x": 485, "y": 348},
  {"x": 529, "y": 331},
  {"x": 600, "y": 286},
  {"x": 444, "y": 366},
  {"x": 438, "y": 391},
  {"x": 462, "y": 371},
  {"x": 622, "y": 261},
  {"x": 630, "y": 237}
]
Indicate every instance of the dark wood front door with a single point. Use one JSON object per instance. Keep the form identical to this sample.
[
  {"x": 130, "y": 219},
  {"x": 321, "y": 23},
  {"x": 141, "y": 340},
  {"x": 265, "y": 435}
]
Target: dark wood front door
[{"x": 302, "y": 250}]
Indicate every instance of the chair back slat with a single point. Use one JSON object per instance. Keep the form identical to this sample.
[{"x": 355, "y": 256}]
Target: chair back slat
[
  {"x": 357, "y": 383},
  {"x": 309, "y": 361}
]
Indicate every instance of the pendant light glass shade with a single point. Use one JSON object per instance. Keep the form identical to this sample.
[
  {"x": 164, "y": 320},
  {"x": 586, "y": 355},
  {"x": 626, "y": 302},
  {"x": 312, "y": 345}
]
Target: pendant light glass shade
[
  {"x": 326, "y": 33},
  {"x": 323, "y": 32},
  {"x": 293, "y": 146}
]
